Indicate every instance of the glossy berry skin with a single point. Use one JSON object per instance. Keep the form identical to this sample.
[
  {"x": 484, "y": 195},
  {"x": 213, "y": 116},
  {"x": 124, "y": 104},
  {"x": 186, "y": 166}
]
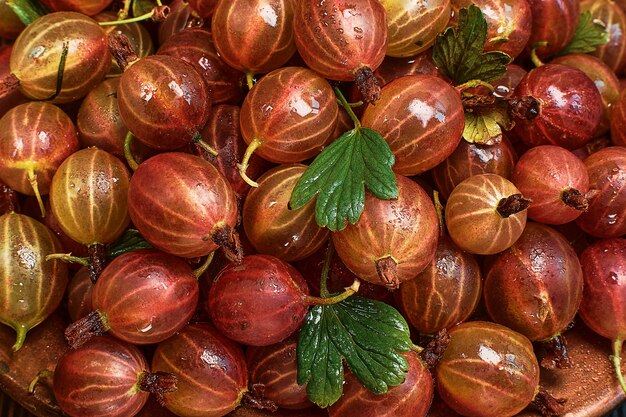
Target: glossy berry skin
[
  {"x": 254, "y": 36},
  {"x": 535, "y": 286},
  {"x": 337, "y": 38},
  {"x": 618, "y": 120},
  {"x": 487, "y": 370},
  {"x": 37, "y": 51},
  {"x": 178, "y": 201},
  {"x": 79, "y": 292},
  {"x": 546, "y": 174},
  {"x": 211, "y": 370},
  {"x": 13, "y": 97},
  {"x": 606, "y": 216},
  {"x": 470, "y": 159},
  {"x": 472, "y": 218},
  {"x": 276, "y": 367},
  {"x": 204, "y": 8},
  {"x": 99, "y": 122},
  {"x": 35, "y": 138},
  {"x": 100, "y": 379},
  {"x": 272, "y": 227},
  {"x": 603, "y": 77},
  {"x": 259, "y": 302},
  {"x": 411, "y": 398},
  {"x": 604, "y": 269},
  {"x": 412, "y": 27},
  {"x": 445, "y": 293},
  {"x": 509, "y": 23},
  {"x": 292, "y": 111},
  {"x": 88, "y": 7},
  {"x": 555, "y": 22},
  {"x": 147, "y": 296},
  {"x": 404, "y": 229},
  {"x": 613, "y": 18},
  {"x": 163, "y": 101},
  {"x": 89, "y": 197},
  {"x": 421, "y": 118},
  {"x": 31, "y": 286},
  {"x": 570, "y": 107},
  {"x": 196, "y": 47}
]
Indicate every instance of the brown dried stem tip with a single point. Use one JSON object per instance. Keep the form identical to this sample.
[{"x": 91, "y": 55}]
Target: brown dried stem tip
[
  {"x": 575, "y": 199},
  {"x": 547, "y": 404},
  {"x": 97, "y": 260},
  {"x": 8, "y": 85},
  {"x": 255, "y": 399},
  {"x": 434, "y": 350},
  {"x": 158, "y": 383},
  {"x": 387, "y": 269},
  {"x": 122, "y": 50},
  {"x": 228, "y": 239},
  {"x": 367, "y": 84},
  {"x": 513, "y": 204},
  {"x": 160, "y": 13},
  {"x": 556, "y": 354},
  {"x": 93, "y": 324},
  {"x": 525, "y": 108}
]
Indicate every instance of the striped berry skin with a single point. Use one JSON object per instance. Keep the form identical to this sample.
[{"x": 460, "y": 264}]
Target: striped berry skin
[
  {"x": 445, "y": 293},
  {"x": 394, "y": 240},
  {"x": 254, "y": 36},
  {"x": 413, "y": 26},
  {"x": 89, "y": 195},
  {"x": 31, "y": 288},
  {"x": 535, "y": 286},
  {"x": 258, "y": 302},
  {"x": 290, "y": 113},
  {"x": 473, "y": 221},
  {"x": 79, "y": 292},
  {"x": 487, "y": 370},
  {"x": 555, "y": 22},
  {"x": 271, "y": 227},
  {"x": 606, "y": 216},
  {"x": 164, "y": 101},
  {"x": 276, "y": 368},
  {"x": 421, "y": 118},
  {"x": 196, "y": 47},
  {"x": 613, "y": 17},
  {"x": 469, "y": 159},
  {"x": 337, "y": 38},
  {"x": 412, "y": 398},
  {"x": 547, "y": 174},
  {"x": 35, "y": 138},
  {"x": 211, "y": 370},
  {"x": 604, "y": 270},
  {"x": 508, "y": 23},
  {"x": 100, "y": 379},
  {"x": 570, "y": 107},
  {"x": 37, "y": 52},
  {"x": 88, "y": 7},
  {"x": 618, "y": 120},
  {"x": 179, "y": 202},
  {"x": 146, "y": 295}
]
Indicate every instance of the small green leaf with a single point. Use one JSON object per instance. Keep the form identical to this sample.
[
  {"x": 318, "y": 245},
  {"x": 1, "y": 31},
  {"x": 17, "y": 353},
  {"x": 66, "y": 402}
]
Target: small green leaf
[
  {"x": 339, "y": 174},
  {"x": 484, "y": 125},
  {"x": 141, "y": 7},
  {"x": 26, "y": 10},
  {"x": 459, "y": 52},
  {"x": 589, "y": 35},
  {"x": 369, "y": 335},
  {"x": 130, "y": 241}
]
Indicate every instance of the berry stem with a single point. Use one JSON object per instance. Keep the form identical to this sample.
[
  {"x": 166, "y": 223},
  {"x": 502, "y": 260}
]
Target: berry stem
[
  {"x": 8, "y": 84},
  {"x": 128, "y": 153},
  {"x": 547, "y": 404},
  {"x": 60, "y": 72},
  {"x": 616, "y": 358},
  {"x": 367, "y": 84},
  {"x": 158, "y": 383},
  {"x": 158, "y": 14},
  {"x": 97, "y": 260},
  {"x": 344, "y": 103},
  {"x": 330, "y": 252},
  {"x": 202, "y": 268},
  {"x": 243, "y": 166},
  {"x": 575, "y": 199},
  {"x": 44, "y": 374},
  {"x": 387, "y": 269},
  {"x": 121, "y": 50},
  {"x": 93, "y": 324},
  {"x": 556, "y": 356},
  {"x": 434, "y": 350},
  {"x": 250, "y": 79},
  {"x": 197, "y": 139},
  {"x": 533, "y": 53},
  {"x": 21, "y": 331},
  {"x": 348, "y": 292},
  {"x": 67, "y": 257},
  {"x": 32, "y": 178},
  {"x": 226, "y": 238},
  {"x": 512, "y": 204},
  {"x": 255, "y": 399}
]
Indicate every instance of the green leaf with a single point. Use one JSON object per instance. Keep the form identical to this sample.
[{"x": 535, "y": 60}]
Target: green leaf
[
  {"x": 130, "y": 241},
  {"x": 459, "y": 52},
  {"x": 141, "y": 7},
  {"x": 484, "y": 125},
  {"x": 339, "y": 174},
  {"x": 589, "y": 35},
  {"x": 368, "y": 335},
  {"x": 27, "y": 10}
]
